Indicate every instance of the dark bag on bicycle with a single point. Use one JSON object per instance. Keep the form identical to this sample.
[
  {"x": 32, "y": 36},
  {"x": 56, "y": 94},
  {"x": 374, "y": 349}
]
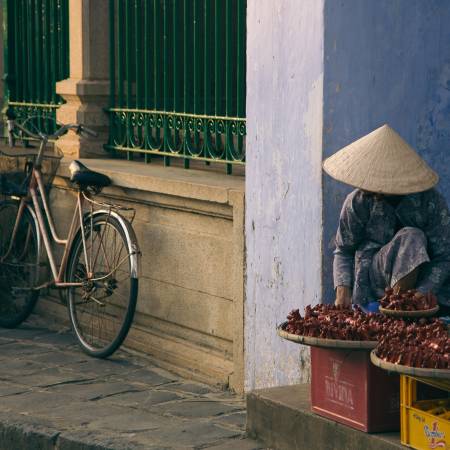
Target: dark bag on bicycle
[{"x": 14, "y": 183}]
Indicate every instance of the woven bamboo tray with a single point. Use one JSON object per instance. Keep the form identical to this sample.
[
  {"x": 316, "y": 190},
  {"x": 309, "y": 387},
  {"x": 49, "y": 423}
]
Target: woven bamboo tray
[
  {"x": 410, "y": 314},
  {"x": 407, "y": 370},
  {"x": 327, "y": 343}
]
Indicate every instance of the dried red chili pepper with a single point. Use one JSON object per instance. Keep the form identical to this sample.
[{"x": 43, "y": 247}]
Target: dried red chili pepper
[
  {"x": 417, "y": 343},
  {"x": 424, "y": 343},
  {"x": 410, "y": 300}
]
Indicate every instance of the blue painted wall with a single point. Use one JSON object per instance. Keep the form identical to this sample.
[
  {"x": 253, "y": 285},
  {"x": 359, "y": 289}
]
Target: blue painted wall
[{"x": 385, "y": 61}]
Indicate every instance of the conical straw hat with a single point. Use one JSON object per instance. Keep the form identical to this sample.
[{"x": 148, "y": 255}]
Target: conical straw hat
[{"x": 381, "y": 162}]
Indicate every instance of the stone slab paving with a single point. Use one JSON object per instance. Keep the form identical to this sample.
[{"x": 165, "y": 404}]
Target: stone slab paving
[{"x": 54, "y": 397}]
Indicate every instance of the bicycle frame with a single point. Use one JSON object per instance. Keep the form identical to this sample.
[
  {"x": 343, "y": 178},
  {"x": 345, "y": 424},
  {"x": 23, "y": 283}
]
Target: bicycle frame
[{"x": 37, "y": 185}]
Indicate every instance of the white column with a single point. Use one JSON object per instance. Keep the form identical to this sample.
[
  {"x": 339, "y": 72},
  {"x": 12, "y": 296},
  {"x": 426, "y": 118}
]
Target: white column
[{"x": 283, "y": 181}]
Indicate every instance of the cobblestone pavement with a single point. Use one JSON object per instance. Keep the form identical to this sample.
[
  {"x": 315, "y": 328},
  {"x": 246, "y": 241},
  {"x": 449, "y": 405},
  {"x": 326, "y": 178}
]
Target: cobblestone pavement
[{"x": 53, "y": 396}]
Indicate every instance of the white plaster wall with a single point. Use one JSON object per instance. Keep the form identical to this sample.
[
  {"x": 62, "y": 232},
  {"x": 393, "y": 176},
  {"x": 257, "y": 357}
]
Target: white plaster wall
[{"x": 283, "y": 181}]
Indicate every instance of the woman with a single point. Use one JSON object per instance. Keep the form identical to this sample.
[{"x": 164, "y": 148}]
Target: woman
[{"x": 394, "y": 229}]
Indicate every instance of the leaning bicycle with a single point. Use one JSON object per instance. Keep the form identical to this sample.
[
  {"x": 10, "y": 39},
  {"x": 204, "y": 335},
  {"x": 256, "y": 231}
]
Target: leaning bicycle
[{"x": 100, "y": 260}]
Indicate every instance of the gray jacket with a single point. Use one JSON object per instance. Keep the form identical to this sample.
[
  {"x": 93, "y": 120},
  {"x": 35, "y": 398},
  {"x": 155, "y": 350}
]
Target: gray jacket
[{"x": 367, "y": 222}]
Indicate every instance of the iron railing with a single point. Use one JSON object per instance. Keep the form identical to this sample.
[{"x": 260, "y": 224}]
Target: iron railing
[
  {"x": 178, "y": 79},
  {"x": 36, "y": 56}
]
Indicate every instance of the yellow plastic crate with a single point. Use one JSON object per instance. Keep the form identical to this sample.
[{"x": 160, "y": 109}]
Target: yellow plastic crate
[{"x": 424, "y": 424}]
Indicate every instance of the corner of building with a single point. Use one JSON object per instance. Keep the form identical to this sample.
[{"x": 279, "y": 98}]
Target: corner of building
[{"x": 283, "y": 182}]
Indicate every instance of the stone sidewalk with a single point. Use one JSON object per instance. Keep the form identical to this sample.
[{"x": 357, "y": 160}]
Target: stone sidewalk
[{"x": 53, "y": 396}]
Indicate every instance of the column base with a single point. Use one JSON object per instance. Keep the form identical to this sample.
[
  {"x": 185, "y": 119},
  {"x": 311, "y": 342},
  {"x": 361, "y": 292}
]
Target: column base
[{"x": 85, "y": 103}]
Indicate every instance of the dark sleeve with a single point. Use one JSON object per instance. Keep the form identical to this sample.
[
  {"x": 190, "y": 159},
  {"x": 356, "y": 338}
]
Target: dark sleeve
[
  {"x": 437, "y": 232},
  {"x": 349, "y": 235}
]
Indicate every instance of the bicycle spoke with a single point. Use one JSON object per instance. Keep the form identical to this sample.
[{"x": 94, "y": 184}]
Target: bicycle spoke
[
  {"x": 99, "y": 308},
  {"x": 101, "y": 238}
]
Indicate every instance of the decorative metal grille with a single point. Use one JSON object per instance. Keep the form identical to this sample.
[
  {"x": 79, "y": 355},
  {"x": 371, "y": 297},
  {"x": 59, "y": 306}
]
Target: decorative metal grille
[
  {"x": 36, "y": 56},
  {"x": 178, "y": 79}
]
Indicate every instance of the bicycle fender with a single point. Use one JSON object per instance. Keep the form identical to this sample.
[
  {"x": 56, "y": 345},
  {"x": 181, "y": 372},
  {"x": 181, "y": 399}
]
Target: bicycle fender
[{"x": 130, "y": 235}]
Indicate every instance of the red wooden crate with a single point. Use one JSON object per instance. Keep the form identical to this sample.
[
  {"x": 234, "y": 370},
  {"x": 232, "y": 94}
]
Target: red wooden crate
[{"x": 348, "y": 388}]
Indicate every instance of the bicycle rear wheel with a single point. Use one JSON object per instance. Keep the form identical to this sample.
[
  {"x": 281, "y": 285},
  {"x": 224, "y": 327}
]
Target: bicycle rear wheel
[
  {"x": 19, "y": 265},
  {"x": 101, "y": 311}
]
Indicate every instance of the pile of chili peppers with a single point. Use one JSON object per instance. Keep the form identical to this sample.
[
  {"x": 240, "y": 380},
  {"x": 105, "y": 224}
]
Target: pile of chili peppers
[
  {"x": 417, "y": 343},
  {"x": 424, "y": 343},
  {"x": 335, "y": 322},
  {"x": 411, "y": 300}
]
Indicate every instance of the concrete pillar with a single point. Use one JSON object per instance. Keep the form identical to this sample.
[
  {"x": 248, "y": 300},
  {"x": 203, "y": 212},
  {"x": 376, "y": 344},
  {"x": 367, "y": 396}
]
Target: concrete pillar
[
  {"x": 86, "y": 91},
  {"x": 283, "y": 181}
]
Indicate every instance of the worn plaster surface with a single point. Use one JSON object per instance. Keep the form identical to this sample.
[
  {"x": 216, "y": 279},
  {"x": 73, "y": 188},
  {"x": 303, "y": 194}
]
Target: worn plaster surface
[{"x": 283, "y": 181}]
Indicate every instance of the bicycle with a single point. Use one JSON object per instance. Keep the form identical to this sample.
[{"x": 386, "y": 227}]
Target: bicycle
[{"x": 99, "y": 267}]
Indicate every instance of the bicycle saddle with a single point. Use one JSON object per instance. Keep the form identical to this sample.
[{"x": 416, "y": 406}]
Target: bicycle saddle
[{"x": 85, "y": 178}]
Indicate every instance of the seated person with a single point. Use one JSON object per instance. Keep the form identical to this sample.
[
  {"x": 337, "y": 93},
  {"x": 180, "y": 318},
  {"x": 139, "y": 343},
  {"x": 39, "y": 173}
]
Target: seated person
[{"x": 394, "y": 228}]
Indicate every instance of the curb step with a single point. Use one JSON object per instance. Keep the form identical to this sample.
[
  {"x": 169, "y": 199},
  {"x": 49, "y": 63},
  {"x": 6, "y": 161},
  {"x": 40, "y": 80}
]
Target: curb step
[
  {"x": 15, "y": 435},
  {"x": 281, "y": 419}
]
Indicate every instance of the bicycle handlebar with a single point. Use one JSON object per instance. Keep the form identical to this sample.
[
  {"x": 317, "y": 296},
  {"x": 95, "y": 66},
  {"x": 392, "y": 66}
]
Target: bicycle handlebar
[
  {"x": 79, "y": 129},
  {"x": 88, "y": 131}
]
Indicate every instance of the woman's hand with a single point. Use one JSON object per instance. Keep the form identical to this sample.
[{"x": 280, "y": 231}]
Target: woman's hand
[{"x": 343, "y": 296}]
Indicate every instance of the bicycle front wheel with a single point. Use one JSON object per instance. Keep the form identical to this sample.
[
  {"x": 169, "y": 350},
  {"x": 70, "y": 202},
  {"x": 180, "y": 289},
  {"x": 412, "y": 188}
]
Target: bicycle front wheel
[
  {"x": 102, "y": 309},
  {"x": 19, "y": 264}
]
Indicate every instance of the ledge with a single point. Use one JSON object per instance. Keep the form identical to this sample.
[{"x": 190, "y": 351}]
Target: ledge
[
  {"x": 194, "y": 184},
  {"x": 281, "y": 418}
]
